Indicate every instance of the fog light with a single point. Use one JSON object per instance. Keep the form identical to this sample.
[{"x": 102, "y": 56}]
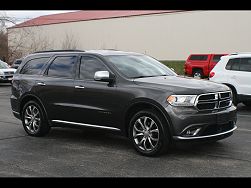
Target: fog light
[{"x": 192, "y": 132}]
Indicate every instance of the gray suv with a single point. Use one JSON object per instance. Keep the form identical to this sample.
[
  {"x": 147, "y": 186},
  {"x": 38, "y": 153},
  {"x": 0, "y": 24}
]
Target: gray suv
[{"x": 128, "y": 93}]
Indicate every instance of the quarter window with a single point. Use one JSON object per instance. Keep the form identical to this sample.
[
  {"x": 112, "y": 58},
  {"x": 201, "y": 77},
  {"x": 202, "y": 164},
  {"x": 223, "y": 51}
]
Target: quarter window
[
  {"x": 62, "y": 67},
  {"x": 233, "y": 64},
  {"x": 89, "y": 66},
  {"x": 34, "y": 66}
]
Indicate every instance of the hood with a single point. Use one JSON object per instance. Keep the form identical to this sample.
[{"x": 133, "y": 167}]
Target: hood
[{"x": 181, "y": 84}]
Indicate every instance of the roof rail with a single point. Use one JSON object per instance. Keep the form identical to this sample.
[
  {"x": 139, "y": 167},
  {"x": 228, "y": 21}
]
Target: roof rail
[
  {"x": 58, "y": 51},
  {"x": 236, "y": 53}
]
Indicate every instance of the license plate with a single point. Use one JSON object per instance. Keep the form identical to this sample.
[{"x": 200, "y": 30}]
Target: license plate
[{"x": 9, "y": 78}]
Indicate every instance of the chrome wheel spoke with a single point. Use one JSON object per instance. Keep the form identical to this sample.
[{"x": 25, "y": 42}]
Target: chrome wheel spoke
[
  {"x": 139, "y": 134},
  {"x": 151, "y": 144},
  {"x": 139, "y": 121},
  {"x": 154, "y": 139},
  {"x": 151, "y": 125},
  {"x": 155, "y": 130},
  {"x": 136, "y": 129},
  {"x": 144, "y": 144}
]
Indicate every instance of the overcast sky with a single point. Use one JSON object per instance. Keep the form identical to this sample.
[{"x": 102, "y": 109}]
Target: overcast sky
[{"x": 22, "y": 16}]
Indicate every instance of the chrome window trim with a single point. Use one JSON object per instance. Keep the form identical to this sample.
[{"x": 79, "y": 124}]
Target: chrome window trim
[
  {"x": 86, "y": 125},
  {"x": 208, "y": 136}
]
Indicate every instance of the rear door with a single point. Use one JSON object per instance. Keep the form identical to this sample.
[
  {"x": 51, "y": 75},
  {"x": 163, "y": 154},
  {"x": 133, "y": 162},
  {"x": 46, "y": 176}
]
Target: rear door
[
  {"x": 238, "y": 72},
  {"x": 55, "y": 88},
  {"x": 245, "y": 76}
]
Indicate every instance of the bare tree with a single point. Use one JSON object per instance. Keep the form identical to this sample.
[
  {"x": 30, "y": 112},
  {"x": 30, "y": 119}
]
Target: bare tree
[
  {"x": 69, "y": 43},
  {"x": 23, "y": 41}
]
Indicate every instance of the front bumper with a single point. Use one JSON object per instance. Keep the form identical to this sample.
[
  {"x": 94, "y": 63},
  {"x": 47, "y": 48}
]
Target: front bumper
[{"x": 189, "y": 124}]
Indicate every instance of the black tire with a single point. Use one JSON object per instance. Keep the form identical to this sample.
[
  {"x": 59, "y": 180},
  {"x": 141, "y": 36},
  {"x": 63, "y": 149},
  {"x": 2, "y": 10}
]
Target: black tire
[
  {"x": 161, "y": 146},
  {"x": 34, "y": 125},
  {"x": 197, "y": 73},
  {"x": 235, "y": 98},
  {"x": 247, "y": 103}
]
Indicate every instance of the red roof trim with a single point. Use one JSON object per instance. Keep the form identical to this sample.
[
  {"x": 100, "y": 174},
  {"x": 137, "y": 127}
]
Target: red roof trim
[{"x": 85, "y": 16}]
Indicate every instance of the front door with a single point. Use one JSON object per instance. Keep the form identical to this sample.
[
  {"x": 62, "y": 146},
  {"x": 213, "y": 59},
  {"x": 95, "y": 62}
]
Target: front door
[{"x": 94, "y": 99}]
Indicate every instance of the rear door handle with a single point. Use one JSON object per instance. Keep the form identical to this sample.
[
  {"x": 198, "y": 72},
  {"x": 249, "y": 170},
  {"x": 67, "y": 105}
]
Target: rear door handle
[
  {"x": 41, "y": 84},
  {"x": 79, "y": 87}
]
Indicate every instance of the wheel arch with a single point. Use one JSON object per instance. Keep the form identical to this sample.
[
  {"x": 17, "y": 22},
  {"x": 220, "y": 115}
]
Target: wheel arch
[
  {"x": 143, "y": 104},
  {"x": 31, "y": 97}
]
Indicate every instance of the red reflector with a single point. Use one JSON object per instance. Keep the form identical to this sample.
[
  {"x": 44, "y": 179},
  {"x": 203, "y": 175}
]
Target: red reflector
[{"x": 211, "y": 74}]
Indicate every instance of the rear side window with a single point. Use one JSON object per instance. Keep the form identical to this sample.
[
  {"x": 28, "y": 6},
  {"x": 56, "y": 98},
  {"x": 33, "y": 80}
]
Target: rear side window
[
  {"x": 62, "y": 67},
  {"x": 89, "y": 66},
  {"x": 233, "y": 64},
  {"x": 198, "y": 57},
  {"x": 34, "y": 66},
  {"x": 216, "y": 58},
  {"x": 245, "y": 64}
]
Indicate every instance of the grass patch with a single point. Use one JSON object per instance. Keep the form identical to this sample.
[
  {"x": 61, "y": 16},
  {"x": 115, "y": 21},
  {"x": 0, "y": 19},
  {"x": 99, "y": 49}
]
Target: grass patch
[{"x": 178, "y": 66}]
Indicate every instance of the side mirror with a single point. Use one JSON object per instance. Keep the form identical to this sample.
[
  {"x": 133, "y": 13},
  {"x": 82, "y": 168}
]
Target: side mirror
[{"x": 104, "y": 76}]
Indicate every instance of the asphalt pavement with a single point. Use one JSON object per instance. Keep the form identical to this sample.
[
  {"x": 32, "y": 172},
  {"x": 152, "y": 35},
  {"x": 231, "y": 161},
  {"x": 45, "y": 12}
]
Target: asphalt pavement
[{"x": 87, "y": 153}]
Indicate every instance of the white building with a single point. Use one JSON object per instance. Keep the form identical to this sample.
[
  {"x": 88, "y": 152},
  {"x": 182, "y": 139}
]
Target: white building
[{"x": 166, "y": 35}]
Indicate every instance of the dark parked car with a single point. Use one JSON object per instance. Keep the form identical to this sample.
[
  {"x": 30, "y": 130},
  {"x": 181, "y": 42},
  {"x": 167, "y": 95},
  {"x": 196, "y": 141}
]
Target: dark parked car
[
  {"x": 128, "y": 93},
  {"x": 16, "y": 63}
]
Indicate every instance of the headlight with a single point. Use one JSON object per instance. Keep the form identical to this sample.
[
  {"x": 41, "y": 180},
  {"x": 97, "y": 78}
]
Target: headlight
[{"x": 182, "y": 100}]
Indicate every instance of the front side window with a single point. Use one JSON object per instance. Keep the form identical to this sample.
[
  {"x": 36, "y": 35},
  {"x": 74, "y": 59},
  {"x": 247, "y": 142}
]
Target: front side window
[
  {"x": 198, "y": 57},
  {"x": 88, "y": 67},
  {"x": 136, "y": 66},
  {"x": 62, "y": 67},
  {"x": 233, "y": 64},
  {"x": 245, "y": 64},
  {"x": 34, "y": 66}
]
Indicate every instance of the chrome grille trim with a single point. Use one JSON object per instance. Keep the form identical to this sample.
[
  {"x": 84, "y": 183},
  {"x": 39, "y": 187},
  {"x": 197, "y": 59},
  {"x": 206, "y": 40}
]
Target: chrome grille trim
[{"x": 219, "y": 99}]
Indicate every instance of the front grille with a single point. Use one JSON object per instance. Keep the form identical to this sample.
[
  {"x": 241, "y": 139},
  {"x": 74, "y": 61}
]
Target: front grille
[
  {"x": 213, "y": 101},
  {"x": 9, "y": 73}
]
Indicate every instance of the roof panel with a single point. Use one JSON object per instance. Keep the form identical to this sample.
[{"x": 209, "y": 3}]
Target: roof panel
[{"x": 85, "y": 16}]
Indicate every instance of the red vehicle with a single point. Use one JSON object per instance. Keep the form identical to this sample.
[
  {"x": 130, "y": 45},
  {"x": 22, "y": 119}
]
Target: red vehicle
[{"x": 200, "y": 65}]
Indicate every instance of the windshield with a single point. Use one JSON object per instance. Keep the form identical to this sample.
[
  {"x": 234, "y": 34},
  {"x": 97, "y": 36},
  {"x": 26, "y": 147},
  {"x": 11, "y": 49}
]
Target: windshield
[
  {"x": 3, "y": 65},
  {"x": 139, "y": 66}
]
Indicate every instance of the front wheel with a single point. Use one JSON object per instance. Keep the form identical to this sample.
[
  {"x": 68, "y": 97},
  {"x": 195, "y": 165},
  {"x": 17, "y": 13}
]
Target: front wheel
[{"x": 148, "y": 134}]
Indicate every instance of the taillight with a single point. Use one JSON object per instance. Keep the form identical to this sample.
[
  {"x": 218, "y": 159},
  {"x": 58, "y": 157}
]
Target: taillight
[{"x": 211, "y": 74}]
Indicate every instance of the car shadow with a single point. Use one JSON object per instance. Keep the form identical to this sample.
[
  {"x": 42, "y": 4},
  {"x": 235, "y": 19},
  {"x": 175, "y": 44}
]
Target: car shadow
[{"x": 108, "y": 140}]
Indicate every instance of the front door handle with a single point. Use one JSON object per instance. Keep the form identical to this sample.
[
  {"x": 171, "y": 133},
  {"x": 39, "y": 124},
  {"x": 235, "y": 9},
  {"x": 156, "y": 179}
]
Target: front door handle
[
  {"x": 41, "y": 84},
  {"x": 79, "y": 87}
]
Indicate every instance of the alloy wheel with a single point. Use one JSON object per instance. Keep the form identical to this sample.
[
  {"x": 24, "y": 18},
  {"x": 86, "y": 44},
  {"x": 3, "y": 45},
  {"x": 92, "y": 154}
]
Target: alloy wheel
[
  {"x": 146, "y": 133},
  {"x": 32, "y": 119}
]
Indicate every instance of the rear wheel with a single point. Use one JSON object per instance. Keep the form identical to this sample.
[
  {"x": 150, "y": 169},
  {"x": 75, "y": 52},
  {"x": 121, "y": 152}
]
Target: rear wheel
[
  {"x": 34, "y": 120},
  {"x": 198, "y": 74},
  {"x": 147, "y": 133}
]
